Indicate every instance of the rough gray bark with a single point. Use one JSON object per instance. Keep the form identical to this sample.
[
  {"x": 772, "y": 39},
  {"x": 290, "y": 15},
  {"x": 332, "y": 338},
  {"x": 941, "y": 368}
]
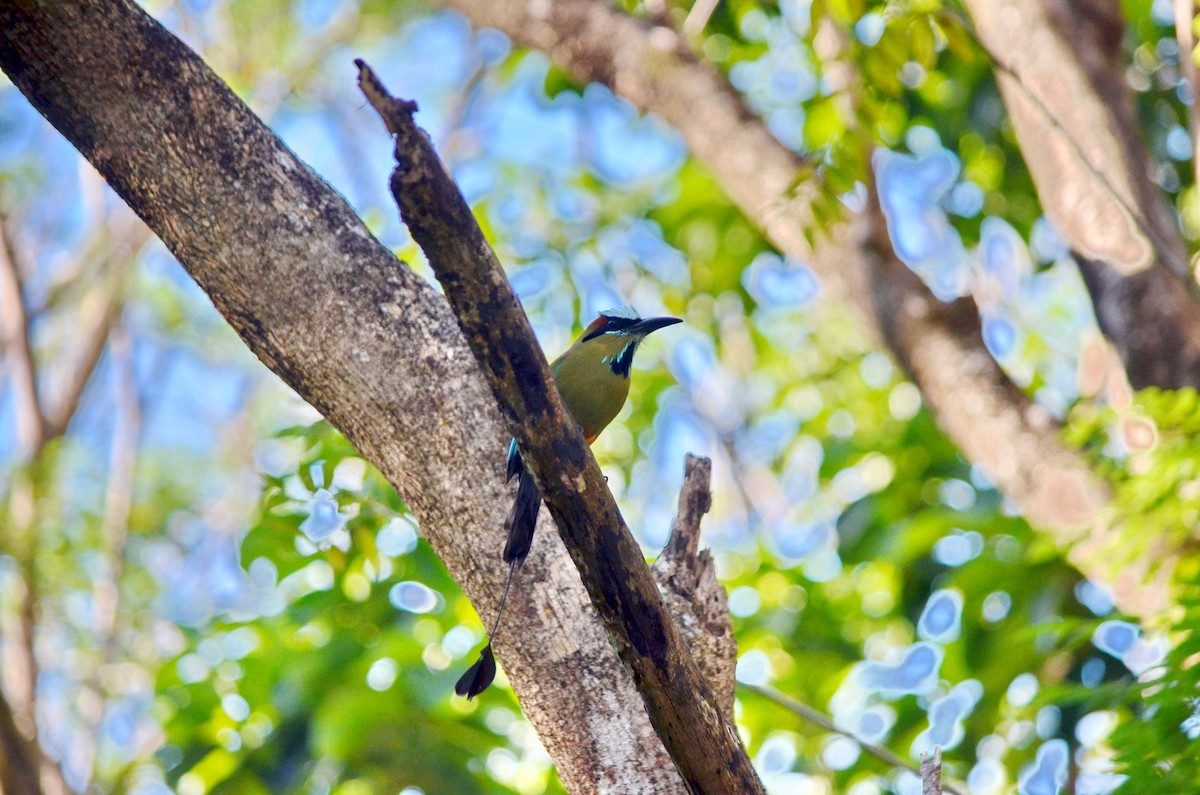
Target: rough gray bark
[
  {"x": 698, "y": 734},
  {"x": 687, "y": 577},
  {"x": 938, "y": 344},
  {"x": 357, "y": 334},
  {"x": 1061, "y": 70}
]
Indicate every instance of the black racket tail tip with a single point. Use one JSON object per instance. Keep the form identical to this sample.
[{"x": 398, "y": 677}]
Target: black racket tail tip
[{"x": 479, "y": 676}]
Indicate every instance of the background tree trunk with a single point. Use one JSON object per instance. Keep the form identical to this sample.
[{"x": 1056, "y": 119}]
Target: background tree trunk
[{"x": 1061, "y": 70}]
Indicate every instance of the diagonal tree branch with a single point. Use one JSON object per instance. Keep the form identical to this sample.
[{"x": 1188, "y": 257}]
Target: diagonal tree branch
[
  {"x": 697, "y": 733},
  {"x": 92, "y": 342},
  {"x": 1161, "y": 238},
  {"x": 941, "y": 345}
]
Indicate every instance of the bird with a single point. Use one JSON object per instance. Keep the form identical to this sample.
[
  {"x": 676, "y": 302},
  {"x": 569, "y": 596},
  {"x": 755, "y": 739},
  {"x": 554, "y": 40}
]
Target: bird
[{"x": 593, "y": 378}]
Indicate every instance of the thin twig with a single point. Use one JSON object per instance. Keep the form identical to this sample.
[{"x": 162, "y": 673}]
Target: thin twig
[
  {"x": 129, "y": 238},
  {"x": 114, "y": 530},
  {"x": 18, "y": 353},
  {"x": 818, "y": 718}
]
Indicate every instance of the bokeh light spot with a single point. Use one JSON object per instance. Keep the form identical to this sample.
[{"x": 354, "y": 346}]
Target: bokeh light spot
[
  {"x": 941, "y": 620},
  {"x": 414, "y": 597},
  {"x": 1048, "y": 773}
]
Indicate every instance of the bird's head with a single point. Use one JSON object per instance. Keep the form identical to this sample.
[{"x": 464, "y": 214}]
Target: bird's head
[{"x": 615, "y": 334}]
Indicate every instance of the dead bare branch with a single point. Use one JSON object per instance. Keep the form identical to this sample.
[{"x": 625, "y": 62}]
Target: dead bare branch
[{"x": 687, "y": 578}]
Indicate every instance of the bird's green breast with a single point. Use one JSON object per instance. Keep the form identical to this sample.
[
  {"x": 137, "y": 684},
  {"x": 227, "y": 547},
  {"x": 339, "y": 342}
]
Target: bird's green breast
[{"x": 594, "y": 394}]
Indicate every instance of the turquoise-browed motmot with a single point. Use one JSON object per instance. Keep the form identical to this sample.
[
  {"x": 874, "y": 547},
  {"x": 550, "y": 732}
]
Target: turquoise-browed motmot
[{"x": 593, "y": 378}]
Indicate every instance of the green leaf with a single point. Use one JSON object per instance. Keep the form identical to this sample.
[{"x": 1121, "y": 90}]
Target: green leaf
[{"x": 823, "y": 122}]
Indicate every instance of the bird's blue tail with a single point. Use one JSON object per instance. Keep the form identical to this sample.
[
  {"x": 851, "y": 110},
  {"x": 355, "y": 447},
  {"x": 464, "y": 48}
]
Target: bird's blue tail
[
  {"x": 523, "y": 518},
  {"x": 520, "y": 525}
]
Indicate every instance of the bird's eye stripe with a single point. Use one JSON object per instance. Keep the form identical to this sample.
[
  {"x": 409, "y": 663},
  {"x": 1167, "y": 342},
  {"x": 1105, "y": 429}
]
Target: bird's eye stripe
[{"x": 598, "y": 327}]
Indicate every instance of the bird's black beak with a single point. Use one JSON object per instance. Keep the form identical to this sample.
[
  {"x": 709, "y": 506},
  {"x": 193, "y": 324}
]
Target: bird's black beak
[{"x": 650, "y": 324}]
